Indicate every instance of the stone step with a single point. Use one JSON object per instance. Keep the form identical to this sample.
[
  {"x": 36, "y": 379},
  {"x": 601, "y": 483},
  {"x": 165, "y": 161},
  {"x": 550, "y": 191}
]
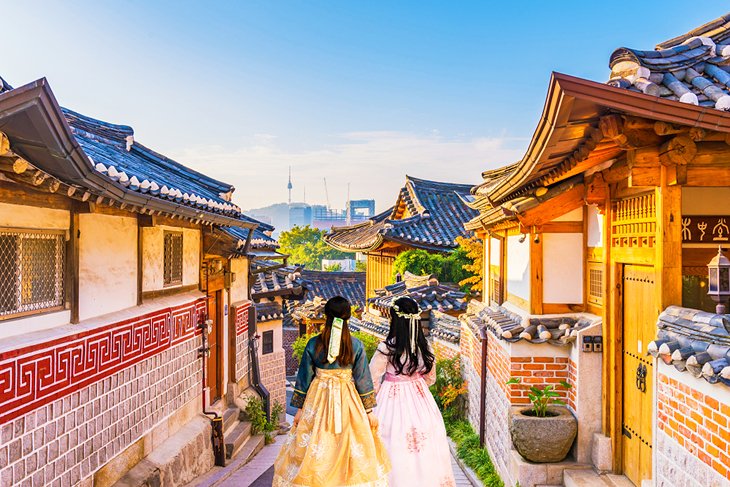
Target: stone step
[
  {"x": 252, "y": 447},
  {"x": 618, "y": 480},
  {"x": 584, "y": 478},
  {"x": 236, "y": 437},
  {"x": 230, "y": 416}
]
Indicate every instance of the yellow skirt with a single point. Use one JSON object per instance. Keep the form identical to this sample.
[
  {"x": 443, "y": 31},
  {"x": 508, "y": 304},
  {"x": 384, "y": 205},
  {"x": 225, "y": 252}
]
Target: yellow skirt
[{"x": 333, "y": 445}]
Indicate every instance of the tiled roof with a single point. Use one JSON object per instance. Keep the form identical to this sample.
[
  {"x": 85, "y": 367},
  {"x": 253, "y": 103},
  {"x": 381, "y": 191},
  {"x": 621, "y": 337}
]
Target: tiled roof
[
  {"x": 430, "y": 296},
  {"x": 271, "y": 279},
  {"x": 445, "y": 327},
  {"x": 694, "y": 341},
  {"x": 349, "y": 285},
  {"x": 260, "y": 241},
  {"x": 130, "y": 167},
  {"x": 693, "y": 68},
  {"x": 268, "y": 311},
  {"x": 512, "y": 327},
  {"x": 428, "y": 215}
]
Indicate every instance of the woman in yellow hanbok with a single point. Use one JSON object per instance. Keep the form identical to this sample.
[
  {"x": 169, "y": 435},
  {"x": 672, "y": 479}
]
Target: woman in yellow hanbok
[{"x": 334, "y": 440}]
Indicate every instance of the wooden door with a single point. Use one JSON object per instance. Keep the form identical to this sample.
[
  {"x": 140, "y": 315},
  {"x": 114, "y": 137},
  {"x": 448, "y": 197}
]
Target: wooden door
[
  {"x": 213, "y": 367},
  {"x": 639, "y": 329}
]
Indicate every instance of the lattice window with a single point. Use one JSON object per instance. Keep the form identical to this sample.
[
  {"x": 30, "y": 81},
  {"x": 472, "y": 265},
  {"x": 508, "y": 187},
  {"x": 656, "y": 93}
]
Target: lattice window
[
  {"x": 173, "y": 259},
  {"x": 496, "y": 289},
  {"x": 31, "y": 271},
  {"x": 267, "y": 346},
  {"x": 595, "y": 284}
]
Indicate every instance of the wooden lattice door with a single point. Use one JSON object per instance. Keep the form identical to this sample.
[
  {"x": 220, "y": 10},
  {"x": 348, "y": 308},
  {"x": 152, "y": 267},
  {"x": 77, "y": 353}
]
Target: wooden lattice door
[
  {"x": 639, "y": 328},
  {"x": 213, "y": 366}
]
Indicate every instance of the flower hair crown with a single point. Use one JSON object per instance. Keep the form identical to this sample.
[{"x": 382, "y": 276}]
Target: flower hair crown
[{"x": 413, "y": 319}]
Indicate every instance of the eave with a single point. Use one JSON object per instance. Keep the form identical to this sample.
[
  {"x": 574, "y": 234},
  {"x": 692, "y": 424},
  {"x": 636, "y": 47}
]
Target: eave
[
  {"x": 32, "y": 118},
  {"x": 572, "y": 101}
]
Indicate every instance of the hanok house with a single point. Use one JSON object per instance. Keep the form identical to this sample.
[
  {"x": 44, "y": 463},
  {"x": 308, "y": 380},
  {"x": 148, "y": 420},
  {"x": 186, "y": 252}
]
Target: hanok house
[
  {"x": 274, "y": 284},
  {"x": 611, "y": 217},
  {"x": 307, "y": 314},
  {"x": 427, "y": 215},
  {"x": 440, "y": 306},
  {"x": 122, "y": 318}
]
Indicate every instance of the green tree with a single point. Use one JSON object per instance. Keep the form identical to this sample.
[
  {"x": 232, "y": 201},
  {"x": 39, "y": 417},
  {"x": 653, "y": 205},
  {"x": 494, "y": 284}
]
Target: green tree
[
  {"x": 456, "y": 266},
  {"x": 306, "y": 247},
  {"x": 473, "y": 249},
  {"x": 336, "y": 267},
  {"x": 361, "y": 266}
]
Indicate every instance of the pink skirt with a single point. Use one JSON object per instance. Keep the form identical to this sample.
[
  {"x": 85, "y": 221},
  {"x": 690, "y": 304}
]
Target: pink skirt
[{"x": 413, "y": 432}]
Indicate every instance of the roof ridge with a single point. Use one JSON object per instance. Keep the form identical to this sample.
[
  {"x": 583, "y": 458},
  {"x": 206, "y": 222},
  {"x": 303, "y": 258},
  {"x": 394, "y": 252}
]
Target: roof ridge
[
  {"x": 438, "y": 183},
  {"x": 716, "y": 29}
]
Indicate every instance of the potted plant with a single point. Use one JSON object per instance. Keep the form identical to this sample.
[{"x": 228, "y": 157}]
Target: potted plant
[{"x": 544, "y": 432}]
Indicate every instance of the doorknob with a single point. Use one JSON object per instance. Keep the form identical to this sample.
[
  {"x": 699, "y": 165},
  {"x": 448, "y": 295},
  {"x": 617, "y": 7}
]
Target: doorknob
[{"x": 641, "y": 377}]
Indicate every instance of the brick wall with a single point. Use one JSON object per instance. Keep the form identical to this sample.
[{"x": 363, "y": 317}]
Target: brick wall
[
  {"x": 290, "y": 336},
  {"x": 273, "y": 376},
  {"x": 693, "y": 431},
  {"x": 444, "y": 350},
  {"x": 539, "y": 372},
  {"x": 70, "y": 405}
]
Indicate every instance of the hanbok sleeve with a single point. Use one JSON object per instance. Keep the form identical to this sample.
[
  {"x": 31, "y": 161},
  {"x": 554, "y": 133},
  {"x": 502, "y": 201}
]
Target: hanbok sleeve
[
  {"x": 363, "y": 380},
  {"x": 378, "y": 366},
  {"x": 305, "y": 375},
  {"x": 430, "y": 378}
]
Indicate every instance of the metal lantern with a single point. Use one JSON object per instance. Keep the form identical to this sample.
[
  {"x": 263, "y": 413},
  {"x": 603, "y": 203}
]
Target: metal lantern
[{"x": 719, "y": 280}]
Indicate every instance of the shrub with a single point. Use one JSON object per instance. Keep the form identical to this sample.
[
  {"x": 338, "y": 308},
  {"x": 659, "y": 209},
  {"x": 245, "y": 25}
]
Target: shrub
[
  {"x": 370, "y": 342},
  {"x": 469, "y": 451},
  {"x": 257, "y": 416},
  {"x": 449, "y": 388}
]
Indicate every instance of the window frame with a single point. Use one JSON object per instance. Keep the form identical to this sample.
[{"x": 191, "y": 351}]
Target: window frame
[
  {"x": 60, "y": 283},
  {"x": 264, "y": 336},
  {"x": 172, "y": 283}
]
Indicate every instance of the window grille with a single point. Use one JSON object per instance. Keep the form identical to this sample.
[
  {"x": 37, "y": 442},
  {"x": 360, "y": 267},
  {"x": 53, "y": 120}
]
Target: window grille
[
  {"x": 173, "y": 259},
  {"x": 268, "y": 342},
  {"x": 31, "y": 271},
  {"x": 595, "y": 284}
]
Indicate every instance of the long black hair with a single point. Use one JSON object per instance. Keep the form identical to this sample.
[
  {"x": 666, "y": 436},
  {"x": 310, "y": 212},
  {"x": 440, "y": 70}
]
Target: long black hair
[
  {"x": 337, "y": 307},
  {"x": 400, "y": 355}
]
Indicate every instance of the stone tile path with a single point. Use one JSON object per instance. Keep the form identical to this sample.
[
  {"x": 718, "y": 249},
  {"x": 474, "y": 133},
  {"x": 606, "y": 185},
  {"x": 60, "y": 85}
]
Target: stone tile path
[{"x": 245, "y": 475}]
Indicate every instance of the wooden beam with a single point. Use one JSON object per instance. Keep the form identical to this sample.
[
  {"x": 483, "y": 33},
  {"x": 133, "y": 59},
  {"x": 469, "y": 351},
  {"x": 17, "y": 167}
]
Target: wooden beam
[
  {"x": 536, "y": 275},
  {"x": 562, "y": 227},
  {"x": 18, "y": 194},
  {"x": 554, "y": 207},
  {"x": 640, "y": 176},
  {"x": 678, "y": 150}
]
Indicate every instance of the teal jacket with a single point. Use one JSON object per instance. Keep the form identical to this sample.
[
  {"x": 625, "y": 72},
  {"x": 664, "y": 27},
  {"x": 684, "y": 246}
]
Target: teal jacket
[{"x": 312, "y": 361}]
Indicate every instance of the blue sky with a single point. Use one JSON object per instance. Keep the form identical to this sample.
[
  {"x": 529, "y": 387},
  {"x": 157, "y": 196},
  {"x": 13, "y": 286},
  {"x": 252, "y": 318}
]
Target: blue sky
[{"x": 356, "y": 91}]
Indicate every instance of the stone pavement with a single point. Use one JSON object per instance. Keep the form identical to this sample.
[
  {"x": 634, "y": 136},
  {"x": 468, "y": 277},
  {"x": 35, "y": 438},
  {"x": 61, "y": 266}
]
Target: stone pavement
[{"x": 245, "y": 475}]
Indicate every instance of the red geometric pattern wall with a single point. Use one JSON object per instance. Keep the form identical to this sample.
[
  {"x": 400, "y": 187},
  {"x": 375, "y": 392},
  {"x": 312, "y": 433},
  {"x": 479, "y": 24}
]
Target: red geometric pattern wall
[
  {"x": 38, "y": 374},
  {"x": 242, "y": 311}
]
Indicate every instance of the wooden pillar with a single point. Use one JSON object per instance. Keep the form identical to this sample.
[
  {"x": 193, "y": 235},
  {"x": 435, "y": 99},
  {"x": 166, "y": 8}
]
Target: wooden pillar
[
  {"x": 536, "y": 277},
  {"x": 487, "y": 292},
  {"x": 72, "y": 264},
  {"x": 668, "y": 246},
  {"x": 610, "y": 300},
  {"x": 140, "y": 261}
]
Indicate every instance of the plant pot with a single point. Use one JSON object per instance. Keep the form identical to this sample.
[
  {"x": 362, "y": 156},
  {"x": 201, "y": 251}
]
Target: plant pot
[{"x": 543, "y": 440}]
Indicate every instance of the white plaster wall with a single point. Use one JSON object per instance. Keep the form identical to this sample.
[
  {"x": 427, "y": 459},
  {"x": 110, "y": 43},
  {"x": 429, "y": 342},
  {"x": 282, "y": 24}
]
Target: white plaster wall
[
  {"x": 572, "y": 216},
  {"x": 153, "y": 243},
  {"x": 23, "y": 326},
  {"x": 239, "y": 288},
  {"x": 21, "y": 216},
  {"x": 518, "y": 267},
  {"x": 705, "y": 201},
  {"x": 278, "y": 334},
  {"x": 595, "y": 227},
  {"x": 562, "y": 265},
  {"x": 107, "y": 264}
]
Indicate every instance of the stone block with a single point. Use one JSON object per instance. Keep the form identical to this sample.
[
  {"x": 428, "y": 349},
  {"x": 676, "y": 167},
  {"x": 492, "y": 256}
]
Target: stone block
[{"x": 602, "y": 453}]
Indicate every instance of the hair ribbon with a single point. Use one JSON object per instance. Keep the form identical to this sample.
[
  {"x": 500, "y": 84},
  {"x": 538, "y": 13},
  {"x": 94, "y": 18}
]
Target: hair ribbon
[
  {"x": 413, "y": 319},
  {"x": 333, "y": 350}
]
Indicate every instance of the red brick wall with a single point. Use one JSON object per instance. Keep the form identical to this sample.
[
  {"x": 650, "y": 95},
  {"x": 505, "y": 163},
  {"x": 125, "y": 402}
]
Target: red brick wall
[
  {"x": 697, "y": 422},
  {"x": 539, "y": 372},
  {"x": 444, "y": 350}
]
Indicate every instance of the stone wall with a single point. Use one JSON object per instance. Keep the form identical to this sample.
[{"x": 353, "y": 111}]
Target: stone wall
[
  {"x": 74, "y": 402},
  {"x": 692, "y": 431},
  {"x": 241, "y": 313},
  {"x": 290, "y": 336},
  {"x": 273, "y": 376}
]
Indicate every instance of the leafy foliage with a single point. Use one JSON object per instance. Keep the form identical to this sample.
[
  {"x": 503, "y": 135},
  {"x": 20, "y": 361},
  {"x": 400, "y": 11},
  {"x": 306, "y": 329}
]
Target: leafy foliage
[
  {"x": 361, "y": 266},
  {"x": 306, "y": 247},
  {"x": 541, "y": 399},
  {"x": 333, "y": 267},
  {"x": 257, "y": 416},
  {"x": 473, "y": 455},
  {"x": 370, "y": 343},
  {"x": 456, "y": 266},
  {"x": 449, "y": 388},
  {"x": 474, "y": 251}
]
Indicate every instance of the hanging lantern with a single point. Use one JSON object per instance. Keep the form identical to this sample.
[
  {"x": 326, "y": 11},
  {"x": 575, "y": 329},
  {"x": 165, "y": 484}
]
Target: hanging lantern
[{"x": 719, "y": 280}]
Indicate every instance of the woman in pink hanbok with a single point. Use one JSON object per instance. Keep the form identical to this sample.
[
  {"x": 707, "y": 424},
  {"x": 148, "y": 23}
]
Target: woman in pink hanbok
[{"x": 411, "y": 425}]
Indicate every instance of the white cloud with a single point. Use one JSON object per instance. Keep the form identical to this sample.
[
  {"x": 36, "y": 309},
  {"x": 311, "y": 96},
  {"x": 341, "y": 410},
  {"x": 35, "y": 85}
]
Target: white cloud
[{"x": 374, "y": 163}]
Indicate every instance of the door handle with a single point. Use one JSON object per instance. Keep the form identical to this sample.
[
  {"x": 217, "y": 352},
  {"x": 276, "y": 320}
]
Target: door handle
[{"x": 641, "y": 377}]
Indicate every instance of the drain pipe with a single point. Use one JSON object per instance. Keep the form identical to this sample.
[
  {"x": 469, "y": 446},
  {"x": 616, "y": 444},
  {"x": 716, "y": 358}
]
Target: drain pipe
[
  {"x": 483, "y": 387},
  {"x": 219, "y": 451},
  {"x": 253, "y": 354}
]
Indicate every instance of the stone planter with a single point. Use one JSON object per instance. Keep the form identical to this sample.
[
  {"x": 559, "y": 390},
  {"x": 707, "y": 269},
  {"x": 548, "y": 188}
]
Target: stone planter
[{"x": 543, "y": 440}]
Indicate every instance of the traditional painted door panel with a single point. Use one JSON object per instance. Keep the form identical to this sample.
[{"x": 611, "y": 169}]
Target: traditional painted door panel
[{"x": 639, "y": 324}]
